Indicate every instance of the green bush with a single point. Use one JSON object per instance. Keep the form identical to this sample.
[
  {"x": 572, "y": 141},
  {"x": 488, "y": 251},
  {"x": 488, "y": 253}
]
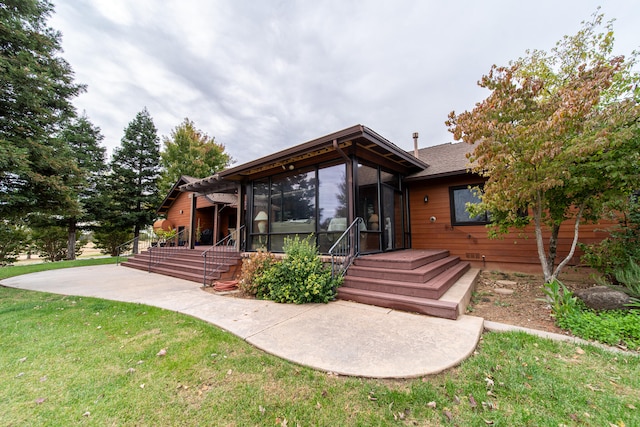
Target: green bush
[
  {"x": 13, "y": 240},
  {"x": 300, "y": 277},
  {"x": 561, "y": 299},
  {"x": 253, "y": 267},
  {"x": 629, "y": 277},
  {"x": 623, "y": 244},
  {"x": 51, "y": 242},
  {"x": 108, "y": 240}
]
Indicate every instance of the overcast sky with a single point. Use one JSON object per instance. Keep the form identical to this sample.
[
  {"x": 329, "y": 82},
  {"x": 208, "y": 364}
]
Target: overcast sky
[{"x": 261, "y": 76}]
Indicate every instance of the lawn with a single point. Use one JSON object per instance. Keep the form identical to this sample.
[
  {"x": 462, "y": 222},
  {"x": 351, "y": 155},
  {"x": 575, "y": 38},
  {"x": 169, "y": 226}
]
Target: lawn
[
  {"x": 82, "y": 361},
  {"x": 16, "y": 270}
]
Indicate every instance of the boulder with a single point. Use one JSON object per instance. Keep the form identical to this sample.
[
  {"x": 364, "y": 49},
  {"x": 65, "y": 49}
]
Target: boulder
[{"x": 603, "y": 298}]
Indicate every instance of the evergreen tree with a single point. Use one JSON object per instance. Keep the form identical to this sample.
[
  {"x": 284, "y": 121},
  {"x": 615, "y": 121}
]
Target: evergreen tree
[
  {"x": 35, "y": 98},
  {"x": 83, "y": 138},
  {"x": 190, "y": 152},
  {"x": 133, "y": 182}
]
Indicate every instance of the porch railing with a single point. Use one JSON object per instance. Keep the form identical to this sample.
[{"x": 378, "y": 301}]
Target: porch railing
[
  {"x": 133, "y": 247},
  {"x": 219, "y": 254},
  {"x": 346, "y": 248},
  {"x": 165, "y": 248}
]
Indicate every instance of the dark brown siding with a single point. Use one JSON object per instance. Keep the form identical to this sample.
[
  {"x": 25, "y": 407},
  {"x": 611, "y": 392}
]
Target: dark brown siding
[{"x": 515, "y": 251}]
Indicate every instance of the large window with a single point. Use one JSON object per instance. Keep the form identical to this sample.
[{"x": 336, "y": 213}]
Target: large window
[
  {"x": 460, "y": 197},
  {"x": 301, "y": 203},
  {"x": 332, "y": 205}
]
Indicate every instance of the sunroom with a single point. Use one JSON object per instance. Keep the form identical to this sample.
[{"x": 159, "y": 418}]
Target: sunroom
[{"x": 319, "y": 188}]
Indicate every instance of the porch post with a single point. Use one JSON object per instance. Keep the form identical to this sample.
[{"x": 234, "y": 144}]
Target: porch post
[
  {"x": 192, "y": 220},
  {"x": 216, "y": 225},
  {"x": 239, "y": 216},
  {"x": 351, "y": 202}
]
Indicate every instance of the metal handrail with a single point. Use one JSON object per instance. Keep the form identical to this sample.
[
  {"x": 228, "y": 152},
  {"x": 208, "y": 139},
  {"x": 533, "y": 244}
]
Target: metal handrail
[
  {"x": 132, "y": 247},
  {"x": 346, "y": 248},
  {"x": 217, "y": 255},
  {"x": 167, "y": 248}
]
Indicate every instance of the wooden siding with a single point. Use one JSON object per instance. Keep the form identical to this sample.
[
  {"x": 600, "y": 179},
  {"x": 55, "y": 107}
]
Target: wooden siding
[
  {"x": 516, "y": 251},
  {"x": 205, "y": 212},
  {"x": 181, "y": 204},
  {"x": 179, "y": 213}
]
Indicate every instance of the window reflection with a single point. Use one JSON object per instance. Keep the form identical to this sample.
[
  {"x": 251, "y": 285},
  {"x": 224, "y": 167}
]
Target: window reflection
[
  {"x": 332, "y": 205},
  {"x": 293, "y": 207}
]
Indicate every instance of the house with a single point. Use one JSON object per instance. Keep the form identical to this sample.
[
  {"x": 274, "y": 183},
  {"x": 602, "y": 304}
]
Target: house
[
  {"x": 356, "y": 179},
  {"x": 213, "y": 215},
  {"x": 407, "y": 200}
]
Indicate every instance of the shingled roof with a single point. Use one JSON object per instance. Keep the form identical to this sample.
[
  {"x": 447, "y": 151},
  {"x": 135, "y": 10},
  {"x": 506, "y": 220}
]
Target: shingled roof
[{"x": 443, "y": 160}]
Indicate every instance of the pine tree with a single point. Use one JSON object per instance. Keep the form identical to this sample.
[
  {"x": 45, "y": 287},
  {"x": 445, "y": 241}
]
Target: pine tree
[
  {"x": 35, "y": 99},
  {"x": 83, "y": 138},
  {"x": 135, "y": 168}
]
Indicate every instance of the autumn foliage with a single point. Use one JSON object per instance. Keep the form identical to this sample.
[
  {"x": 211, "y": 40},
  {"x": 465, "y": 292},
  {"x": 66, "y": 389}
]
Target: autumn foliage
[{"x": 557, "y": 138}]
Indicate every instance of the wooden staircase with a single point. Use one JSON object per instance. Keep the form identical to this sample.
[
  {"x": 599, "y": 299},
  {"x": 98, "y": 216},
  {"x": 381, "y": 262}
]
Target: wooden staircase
[
  {"x": 423, "y": 281},
  {"x": 188, "y": 264}
]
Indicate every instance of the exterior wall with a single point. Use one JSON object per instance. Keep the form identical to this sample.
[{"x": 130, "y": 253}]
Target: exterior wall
[
  {"x": 181, "y": 204},
  {"x": 516, "y": 251},
  {"x": 179, "y": 214}
]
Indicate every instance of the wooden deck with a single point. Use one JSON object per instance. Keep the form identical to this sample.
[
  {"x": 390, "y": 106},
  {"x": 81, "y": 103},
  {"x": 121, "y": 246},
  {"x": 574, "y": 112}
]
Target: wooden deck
[
  {"x": 411, "y": 280},
  {"x": 422, "y": 281},
  {"x": 188, "y": 264}
]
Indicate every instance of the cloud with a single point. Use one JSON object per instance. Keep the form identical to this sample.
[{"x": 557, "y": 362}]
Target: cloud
[{"x": 264, "y": 76}]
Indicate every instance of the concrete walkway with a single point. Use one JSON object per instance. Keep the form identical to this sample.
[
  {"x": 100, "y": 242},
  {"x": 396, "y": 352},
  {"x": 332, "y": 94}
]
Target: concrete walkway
[{"x": 341, "y": 337}]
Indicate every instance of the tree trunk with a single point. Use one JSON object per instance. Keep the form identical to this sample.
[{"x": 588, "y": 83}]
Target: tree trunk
[
  {"x": 136, "y": 235},
  {"x": 576, "y": 229},
  {"x": 553, "y": 245},
  {"x": 548, "y": 261},
  {"x": 547, "y": 270},
  {"x": 71, "y": 240}
]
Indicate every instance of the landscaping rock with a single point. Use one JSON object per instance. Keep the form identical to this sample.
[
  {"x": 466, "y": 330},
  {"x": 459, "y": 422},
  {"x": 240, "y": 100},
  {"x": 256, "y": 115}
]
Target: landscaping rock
[
  {"x": 502, "y": 291},
  {"x": 506, "y": 283},
  {"x": 603, "y": 298}
]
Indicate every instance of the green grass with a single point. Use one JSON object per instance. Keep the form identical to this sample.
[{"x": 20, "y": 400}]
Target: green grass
[
  {"x": 17, "y": 270},
  {"x": 83, "y": 361}
]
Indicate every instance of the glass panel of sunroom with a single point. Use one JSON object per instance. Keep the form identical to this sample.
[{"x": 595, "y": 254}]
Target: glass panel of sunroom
[
  {"x": 293, "y": 205},
  {"x": 259, "y": 226},
  {"x": 332, "y": 205}
]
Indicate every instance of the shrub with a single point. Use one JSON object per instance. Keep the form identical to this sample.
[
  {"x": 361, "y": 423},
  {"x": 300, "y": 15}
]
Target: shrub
[
  {"x": 561, "y": 299},
  {"x": 629, "y": 276},
  {"x": 622, "y": 245},
  {"x": 300, "y": 277},
  {"x": 253, "y": 267},
  {"x": 51, "y": 242},
  {"x": 13, "y": 240},
  {"x": 108, "y": 240}
]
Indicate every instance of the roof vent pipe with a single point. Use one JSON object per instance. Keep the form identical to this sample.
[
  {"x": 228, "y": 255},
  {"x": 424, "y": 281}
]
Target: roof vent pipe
[{"x": 415, "y": 145}]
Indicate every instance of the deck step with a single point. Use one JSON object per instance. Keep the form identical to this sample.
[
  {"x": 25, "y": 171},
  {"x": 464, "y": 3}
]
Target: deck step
[
  {"x": 419, "y": 274},
  {"x": 431, "y": 307},
  {"x": 188, "y": 264},
  {"x": 401, "y": 260},
  {"x": 433, "y": 288},
  {"x": 423, "y": 281}
]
